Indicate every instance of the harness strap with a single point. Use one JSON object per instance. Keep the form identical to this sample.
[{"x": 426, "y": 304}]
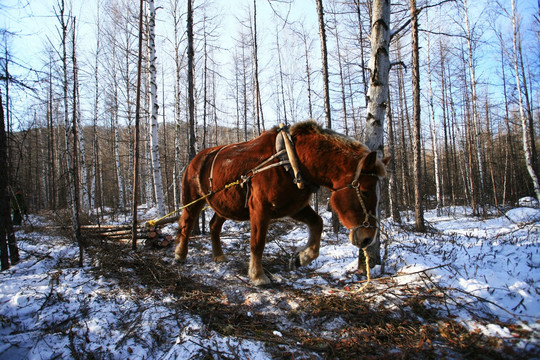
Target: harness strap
[
  {"x": 258, "y": 170},
  {"x": 276, "y": 155},
  {"x": 291, "y": 154},
  {"x": 212, "y": 168}
]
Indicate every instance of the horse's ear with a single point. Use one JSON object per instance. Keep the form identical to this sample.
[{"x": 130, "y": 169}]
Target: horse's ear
[
  {"x": 386, "y": 160},
  {"x": 369, "y": 161}
]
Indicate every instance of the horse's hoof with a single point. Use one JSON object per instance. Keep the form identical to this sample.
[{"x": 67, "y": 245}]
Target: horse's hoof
[
  {"x": 261, "y": 281},
  {"x": 294, "y": 262},
  {"x": 220, "y": 259},
  {"x": 179, "y": 259}
]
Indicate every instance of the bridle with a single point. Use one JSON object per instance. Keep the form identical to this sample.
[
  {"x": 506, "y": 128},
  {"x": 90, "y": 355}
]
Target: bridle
[{"x": 355, "y": 184}]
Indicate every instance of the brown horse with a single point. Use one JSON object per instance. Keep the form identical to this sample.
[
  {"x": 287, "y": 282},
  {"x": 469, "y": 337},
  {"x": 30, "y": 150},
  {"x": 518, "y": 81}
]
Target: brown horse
[{"x": 326, "y": 158}]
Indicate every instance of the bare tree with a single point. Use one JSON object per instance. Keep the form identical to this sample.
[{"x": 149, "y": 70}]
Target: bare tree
[
  {"x": 8, "y": 246},
  {"x": 418, "y": 205},
  {"x": 191, "y": 81},
  {"x": 178, "y": 61},
  {"x": 259, "y": 116},
  {"x": 526, "y": 138},
  {"x": 475, "y": 117},
  {"x": 156, "y": 166},
  {"x": 136, "y": 139},
  {"x": 70, "y": 132},
  {"x": 324, "y": 58}
]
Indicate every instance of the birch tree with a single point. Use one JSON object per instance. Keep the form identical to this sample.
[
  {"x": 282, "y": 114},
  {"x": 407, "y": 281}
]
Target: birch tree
[
  {"x": 191, "y": 82},
  {"x": 95, "y": 183},
  {"x": 178, "y": 62},
  {"x": 84, "y": 194},
  {"x": 433, "y": 128},
  {"x": 156, "y": 166},
  {"x": 525, "y": 134},
  {"x": 379, "y": 66}
]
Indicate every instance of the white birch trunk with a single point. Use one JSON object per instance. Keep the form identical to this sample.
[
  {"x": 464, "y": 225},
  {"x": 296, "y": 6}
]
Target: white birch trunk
[
  {"x": 156, "y": 166},
  {"x": 93, "y": 184},
  {"x": 524, "y": 128},
  {"x": 85, "y": 193},
  {"x": 438, "y": 185},
  {"x": 119, "y": 177},
  {"x": 379, "y": 66},
  {"x": 177, "y": 173}
]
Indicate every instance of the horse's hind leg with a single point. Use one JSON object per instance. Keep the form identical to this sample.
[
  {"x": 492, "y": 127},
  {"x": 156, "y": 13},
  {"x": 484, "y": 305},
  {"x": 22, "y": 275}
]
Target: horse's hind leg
[
  {"x": 185, "y": 225},
  {"x": 215, "y": 229},
  {"x": 311, "y": 251},
  {"x": 259, "y": 227}
]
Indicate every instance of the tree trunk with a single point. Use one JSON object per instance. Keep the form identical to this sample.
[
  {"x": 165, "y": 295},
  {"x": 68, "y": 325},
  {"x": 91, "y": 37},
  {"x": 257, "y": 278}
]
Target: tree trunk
[
  {"x": 417, "y": 144},
  {"x": 475, "y": 117},
  {"x": 281, "y": 83},
  {"x": 135, "y": 191},
  {"x": 525, "y": 134},
  {"x": 84, "y": 194},
  {"x": 74, "y": 169},
  {"x": 434, "y": 142},
  {"x": 324, "y": 58},
  {"x": 191, "y": 81},
  {"x": 7, "y": 252},
  {"x": 392, "y": 187},
  {"x": 177, "y": 172},
  {"x": 379, "y": 66},
  {"x": 191, "y": 91},
  {"x": 156, "y": 165},
  {"x": 258, "y": 103}
]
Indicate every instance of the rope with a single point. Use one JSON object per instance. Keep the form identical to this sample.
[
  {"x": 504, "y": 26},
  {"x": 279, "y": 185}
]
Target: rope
[
  {"x": 368, "y": 273},
  {"x": 155, "y": 221}
]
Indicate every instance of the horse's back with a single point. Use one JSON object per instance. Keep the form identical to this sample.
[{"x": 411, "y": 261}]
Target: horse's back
[{"x": 212, "y": 169}]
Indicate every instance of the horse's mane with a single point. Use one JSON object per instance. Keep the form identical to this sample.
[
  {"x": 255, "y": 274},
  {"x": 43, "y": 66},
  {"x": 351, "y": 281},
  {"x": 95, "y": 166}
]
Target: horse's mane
[{"x": 346, "y": 143}]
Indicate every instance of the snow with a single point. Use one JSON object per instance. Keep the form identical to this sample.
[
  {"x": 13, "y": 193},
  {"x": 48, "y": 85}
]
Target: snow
[{"x": 51, "y": 308}]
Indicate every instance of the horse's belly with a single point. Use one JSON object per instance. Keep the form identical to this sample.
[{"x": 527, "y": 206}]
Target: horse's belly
[
  {"x": 275, "y": 204},
  {"x": 230, "y": 204}
]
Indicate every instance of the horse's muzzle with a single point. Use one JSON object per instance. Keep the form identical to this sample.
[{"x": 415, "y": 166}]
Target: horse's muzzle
[{"x": 362, "y": 237}]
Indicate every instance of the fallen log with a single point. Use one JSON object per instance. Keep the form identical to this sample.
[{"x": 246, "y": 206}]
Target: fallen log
[{"x": 151, "y": 236}]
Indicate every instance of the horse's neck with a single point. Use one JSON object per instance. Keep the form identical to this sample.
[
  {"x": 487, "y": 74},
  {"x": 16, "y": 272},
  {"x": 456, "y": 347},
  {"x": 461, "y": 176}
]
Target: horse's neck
[{"x": 324, "y": 167}]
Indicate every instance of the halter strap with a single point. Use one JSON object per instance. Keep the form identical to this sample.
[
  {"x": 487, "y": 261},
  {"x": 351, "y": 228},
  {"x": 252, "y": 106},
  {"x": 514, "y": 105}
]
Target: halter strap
[{"x": 355, "y": 184}]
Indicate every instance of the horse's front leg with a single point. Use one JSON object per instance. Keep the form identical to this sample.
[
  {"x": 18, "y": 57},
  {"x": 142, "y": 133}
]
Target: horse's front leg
[
  {"x": 259, "y": 227},
  {"x": 311, "y": 251},
  {"x": 216, "y": 225},
  {"x": 185, "y": 226}
]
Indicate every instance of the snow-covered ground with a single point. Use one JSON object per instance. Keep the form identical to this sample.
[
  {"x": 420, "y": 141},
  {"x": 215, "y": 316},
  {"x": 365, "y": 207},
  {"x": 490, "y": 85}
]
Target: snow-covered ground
[{"x": 484, "y": 274}]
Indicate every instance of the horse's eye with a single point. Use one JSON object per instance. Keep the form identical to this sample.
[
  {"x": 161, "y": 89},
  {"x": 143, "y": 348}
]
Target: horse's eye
[{"x": 365, "y": 194}]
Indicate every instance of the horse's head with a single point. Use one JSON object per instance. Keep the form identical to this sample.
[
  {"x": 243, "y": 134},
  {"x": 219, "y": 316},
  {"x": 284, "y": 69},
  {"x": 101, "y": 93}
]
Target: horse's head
[{"x": 357, "y": 202}]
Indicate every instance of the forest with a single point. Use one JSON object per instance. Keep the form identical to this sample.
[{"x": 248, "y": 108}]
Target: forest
[
  {"x": 471, "y": 100},
  {"x": 104, "y": 104}
]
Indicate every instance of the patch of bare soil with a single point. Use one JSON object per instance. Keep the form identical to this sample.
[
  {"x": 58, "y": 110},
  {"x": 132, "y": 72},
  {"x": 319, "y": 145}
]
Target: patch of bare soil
[{"x": 387, "y": 320}]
